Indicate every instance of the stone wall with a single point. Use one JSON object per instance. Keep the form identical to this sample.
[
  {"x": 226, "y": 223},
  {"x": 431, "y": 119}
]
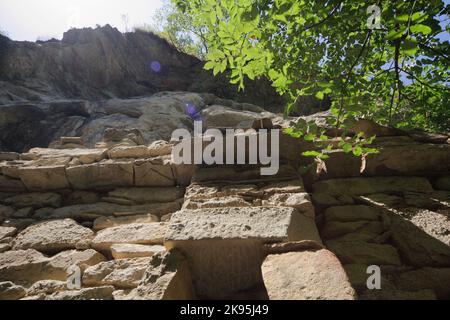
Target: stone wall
[{"x": 136, "y": 226}]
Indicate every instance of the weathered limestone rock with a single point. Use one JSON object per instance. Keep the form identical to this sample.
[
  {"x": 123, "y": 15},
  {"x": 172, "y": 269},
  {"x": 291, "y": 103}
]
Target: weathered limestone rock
[
  {"x": 433, "y": 201},
  {"x": 123, "y": 273},
  {"x": 10, "y": 291},
  {"x": 229, "y": 174},
  {"x": 57, "y": 266},
  {"x": 40, "y": 178},
  {"x": 128, "y": 251},
  {"x": 434, "y": 223},
  {"x": 418, "y": 247},
  {"x": 222, "y": 202},
  {"x": 96, "y": 210},
  {"x": 7, "y": 232},
  {"x": 51, "y": 236},
  {"x": 357, "y": 275},
  {"x": 208, "y": 236},
  {"x": 203, "y": 192},
  {"x": 364, "y": 253},
  {"x": 7, "y": 240},
  {"x": 167, "y": 278},
  {"x": 240, "y": 223},
  {"x": 101, "y": 175},
  {"x": 4, "y": 247},
  {"x": 153, "y": 174},
  {"x": 292, "y": 246},
  {"x": 121, "y": 152},
  {"x": 383, "y": 200},
  {"x": 435, "y": 279},
  {"x": 19, "y": 224},
  {"x": 8, "y": 156},
  {"x": 352, "y": 213},
  {"x": 11, "y": 169},
  {"x": 11, "y": 185},
  {"x": 334, "y": 229},
  {"x": 371, "y": 128},
  {"x": 82, "y": 197},
  {"x": 299, "y": 201},
  {"x": 46, "y": 287},
  {"x": 363, "y": 186},
  {"x": 183, "y": 173},
  {"x": 35, "y": 200},
  {"x": 23, "y": 213},
  {"x": 290, "y": 186},
  {"x": 95, "y": 293},
  {"x": 409, "y": 159},
  {"x": 146, "y": 195},
  {"x": 110, "y": 222},
  {"x": 160, "y": 148},
  {"x": 85, "y": 156},
  {"x": 223, "y": 117},
  {"x": 22, "y": 266},
  {"x": 43, "y": 213},
  {"x": 137, "y": 233},
  {"x": 307, "y": 275},
  {"x": 121, "y": 294},
  {"x": 5, "y": 212}
]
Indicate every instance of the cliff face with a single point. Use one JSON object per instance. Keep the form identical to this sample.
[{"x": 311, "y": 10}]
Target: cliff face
[
  {"x": 102, "y": 63},
  {"x": 56, "y": 88},
  {"x": 94, "y": 64}
]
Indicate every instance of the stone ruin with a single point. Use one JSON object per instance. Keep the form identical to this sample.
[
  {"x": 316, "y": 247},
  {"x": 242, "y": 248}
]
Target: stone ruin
[{"x": 134, "y": 225}]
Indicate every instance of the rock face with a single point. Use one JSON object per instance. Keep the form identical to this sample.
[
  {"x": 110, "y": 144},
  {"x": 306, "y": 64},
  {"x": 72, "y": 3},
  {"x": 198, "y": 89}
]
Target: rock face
[
  {"x": 59, "y": 99},
  {"x": 167, "y": 278},
  {"x": 123, "y": 273},
  {"x": 10, "y": 291},
  {"x": 209, "y": 236},
  {"x": 22, "y": 266},
  {"x": 106, "y": 214},
  {"x": 308, "y": 275},
  {"x": 52, "y": 236},
  {"x": 136, "y": 233}
]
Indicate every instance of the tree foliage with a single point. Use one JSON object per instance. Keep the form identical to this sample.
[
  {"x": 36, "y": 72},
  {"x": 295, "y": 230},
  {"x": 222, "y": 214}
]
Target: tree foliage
[
  {"x": 396, "y": 73},
  {"x": 177, "y": 27}
]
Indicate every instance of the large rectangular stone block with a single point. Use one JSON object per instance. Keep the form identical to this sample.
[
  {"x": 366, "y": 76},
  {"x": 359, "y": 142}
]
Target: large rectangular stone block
[
  {"x": 225, "y": 245},
  {"x": 306, "y": 275},
  {"x": 150, "y": 173},
  {"x": 365, "y": 186},
  {"x": 101, "y": 175},
  {"x": 38, "y": 178}
]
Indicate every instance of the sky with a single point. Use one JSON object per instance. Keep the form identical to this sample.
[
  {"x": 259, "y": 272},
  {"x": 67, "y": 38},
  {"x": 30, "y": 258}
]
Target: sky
[
  {"x": 33, "y": 20},
  {"x": 44, "y": 19}
]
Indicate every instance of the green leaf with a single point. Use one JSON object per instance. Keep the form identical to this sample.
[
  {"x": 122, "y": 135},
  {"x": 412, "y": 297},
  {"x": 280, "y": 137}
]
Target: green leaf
[
  {"x": 320, "y": 95},
  {"x": 347, "y": 147},
  {"x": 409, "y": 46},
  {"x": 358, "y": 151},
  {"x": 310, "y": 137},
  {"x": 420, "y": 28},
  {"x": 311, "y": 153},
  {"x": 395, "y": 34},
  {"x": 209, "y": 65}
]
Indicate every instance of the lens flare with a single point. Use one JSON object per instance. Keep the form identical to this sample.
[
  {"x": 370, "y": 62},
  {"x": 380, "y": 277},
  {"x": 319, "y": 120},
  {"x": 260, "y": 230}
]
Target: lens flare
[
  {"x": 155, "y": 66},
  {"x": 191, "y": 110}
]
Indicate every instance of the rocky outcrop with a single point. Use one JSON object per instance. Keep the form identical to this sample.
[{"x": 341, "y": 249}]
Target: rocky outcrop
[
  {"x": 308, "y": 275},
  {"x": 122, "y": 221}
]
